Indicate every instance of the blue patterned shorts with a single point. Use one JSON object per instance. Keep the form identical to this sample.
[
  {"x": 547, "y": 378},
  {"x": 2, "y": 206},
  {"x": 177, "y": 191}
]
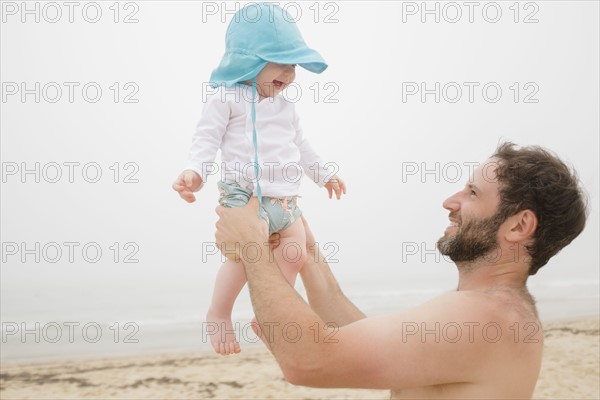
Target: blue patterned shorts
[{"x": 280, "y": 212}]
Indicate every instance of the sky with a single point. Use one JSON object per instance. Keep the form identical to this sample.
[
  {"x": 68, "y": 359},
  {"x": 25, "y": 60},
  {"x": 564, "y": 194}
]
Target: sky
[{"x": 100, "y": 101}]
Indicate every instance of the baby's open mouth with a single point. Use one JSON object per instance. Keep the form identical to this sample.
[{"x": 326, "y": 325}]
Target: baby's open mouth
[{"x": 278, "y": 84}]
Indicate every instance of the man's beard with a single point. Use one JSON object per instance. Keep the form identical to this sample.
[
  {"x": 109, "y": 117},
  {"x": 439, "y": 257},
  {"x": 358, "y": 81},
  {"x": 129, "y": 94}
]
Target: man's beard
[{"x": 474, "y": 240}]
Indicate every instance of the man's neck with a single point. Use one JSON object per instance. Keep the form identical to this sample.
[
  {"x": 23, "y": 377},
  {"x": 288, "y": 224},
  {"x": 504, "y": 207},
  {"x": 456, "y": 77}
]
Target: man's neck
[
  {"x": 505, "y": 279},
  {"x": 483, "y": 275}
]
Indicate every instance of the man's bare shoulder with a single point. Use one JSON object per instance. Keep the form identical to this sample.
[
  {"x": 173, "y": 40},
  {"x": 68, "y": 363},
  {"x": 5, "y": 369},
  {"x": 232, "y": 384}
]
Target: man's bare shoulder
[
  {"x": 506, "y": 312},
  {"x": 501, "y": 305},
  {"x": 492, "y": 336}
]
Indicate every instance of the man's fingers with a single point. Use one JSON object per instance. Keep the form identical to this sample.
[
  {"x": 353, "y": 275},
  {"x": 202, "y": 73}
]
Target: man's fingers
[
  {"x": 274, "y": 241},
  {"x": 330, "y": 191},
  {"x": 253, "y": 203},
  {"x": 238, "y": 225},
  {"x": 219, "y": 210}
]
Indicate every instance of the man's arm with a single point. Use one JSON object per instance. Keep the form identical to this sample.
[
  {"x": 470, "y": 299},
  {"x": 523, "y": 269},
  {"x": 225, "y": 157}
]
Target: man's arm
[
  {"x": 324, "y": 294},
  {"x": 387, "y": 352}
]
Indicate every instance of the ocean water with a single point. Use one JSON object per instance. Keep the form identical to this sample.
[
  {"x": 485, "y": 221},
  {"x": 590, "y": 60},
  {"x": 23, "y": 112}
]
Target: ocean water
[{"x": 46, "y": 315}]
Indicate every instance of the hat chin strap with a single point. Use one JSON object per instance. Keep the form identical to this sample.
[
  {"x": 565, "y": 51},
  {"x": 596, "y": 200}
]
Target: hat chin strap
[{"x": 261, "y": 212}]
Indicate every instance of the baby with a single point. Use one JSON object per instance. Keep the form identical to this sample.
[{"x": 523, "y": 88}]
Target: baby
[{"x": 248, "y": 119}]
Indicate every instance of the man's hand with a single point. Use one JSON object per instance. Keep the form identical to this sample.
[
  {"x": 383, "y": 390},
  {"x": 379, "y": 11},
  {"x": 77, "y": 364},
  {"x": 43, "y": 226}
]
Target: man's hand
[
  {"x": 186, "y": 184},
  {"x": 238, "y": 227},
  {"x": 274, "y": 239},
  {"x": 337, "y": 185}
]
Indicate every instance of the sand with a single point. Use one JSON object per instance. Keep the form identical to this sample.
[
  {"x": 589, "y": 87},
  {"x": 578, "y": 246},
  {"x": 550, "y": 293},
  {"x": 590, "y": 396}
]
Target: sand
[{"x": 570, "y": 370}]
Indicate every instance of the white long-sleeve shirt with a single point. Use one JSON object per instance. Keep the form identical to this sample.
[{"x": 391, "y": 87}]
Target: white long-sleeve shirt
[{"x": 284, "y": 155}]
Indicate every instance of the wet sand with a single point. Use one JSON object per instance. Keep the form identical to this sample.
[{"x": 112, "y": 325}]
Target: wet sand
[{"x": 570, "y": 370}]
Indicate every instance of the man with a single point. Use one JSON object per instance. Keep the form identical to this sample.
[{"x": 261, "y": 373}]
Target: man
[{"x": 482, "y": 341}]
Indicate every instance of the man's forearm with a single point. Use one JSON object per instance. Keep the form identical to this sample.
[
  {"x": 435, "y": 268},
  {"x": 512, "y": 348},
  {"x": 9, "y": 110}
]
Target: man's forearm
[
  {"x": 293, "y": 331},
  {"x": 324, "y": 293}
]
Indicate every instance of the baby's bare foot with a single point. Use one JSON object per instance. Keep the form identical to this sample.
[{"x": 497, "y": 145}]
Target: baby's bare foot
[{"x": 223, "y": 337}]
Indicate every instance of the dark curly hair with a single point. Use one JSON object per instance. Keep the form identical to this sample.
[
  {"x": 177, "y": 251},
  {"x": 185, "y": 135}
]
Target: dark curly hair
[{"x": 535, "y": 179}]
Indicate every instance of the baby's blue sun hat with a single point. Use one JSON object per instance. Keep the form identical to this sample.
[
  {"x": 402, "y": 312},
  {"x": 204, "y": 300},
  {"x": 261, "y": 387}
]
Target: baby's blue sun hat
[{"x": 260, "y": 33}]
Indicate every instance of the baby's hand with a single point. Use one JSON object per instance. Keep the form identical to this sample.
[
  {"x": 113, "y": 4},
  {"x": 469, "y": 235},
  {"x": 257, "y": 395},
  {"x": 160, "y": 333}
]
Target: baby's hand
[
  {"x": 186, "y": 183},
  {"x": 337, "y": 185}
]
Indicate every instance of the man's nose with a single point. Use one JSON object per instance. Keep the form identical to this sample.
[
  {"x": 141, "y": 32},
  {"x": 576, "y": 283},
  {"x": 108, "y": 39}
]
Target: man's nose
[{"x": 452, "y": 203}]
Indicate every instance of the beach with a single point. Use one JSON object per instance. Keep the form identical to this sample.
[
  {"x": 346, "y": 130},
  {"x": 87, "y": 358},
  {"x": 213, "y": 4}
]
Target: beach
[{"x": 570, "y": 370}]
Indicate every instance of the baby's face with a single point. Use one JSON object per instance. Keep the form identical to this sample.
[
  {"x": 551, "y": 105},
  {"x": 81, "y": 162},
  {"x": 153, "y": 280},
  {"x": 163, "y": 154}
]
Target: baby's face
[{"x": 274, "y": 78}]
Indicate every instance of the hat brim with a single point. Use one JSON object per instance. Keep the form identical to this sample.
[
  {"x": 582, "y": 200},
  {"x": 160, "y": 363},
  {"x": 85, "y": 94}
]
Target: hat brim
[
  {"x": 237, "y": 67},
  {"x": 305, "y": 57}
]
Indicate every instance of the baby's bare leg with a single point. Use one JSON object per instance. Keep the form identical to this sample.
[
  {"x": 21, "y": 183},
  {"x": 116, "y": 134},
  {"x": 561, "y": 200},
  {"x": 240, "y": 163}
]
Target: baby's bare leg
[
  {"x": 231, "y": 278},
  {"x": 291, "y": 252}
]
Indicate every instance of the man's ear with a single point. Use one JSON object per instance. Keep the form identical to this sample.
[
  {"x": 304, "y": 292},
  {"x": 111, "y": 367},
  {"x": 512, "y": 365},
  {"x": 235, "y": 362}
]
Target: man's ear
[{"x": 522, "y": 226}]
